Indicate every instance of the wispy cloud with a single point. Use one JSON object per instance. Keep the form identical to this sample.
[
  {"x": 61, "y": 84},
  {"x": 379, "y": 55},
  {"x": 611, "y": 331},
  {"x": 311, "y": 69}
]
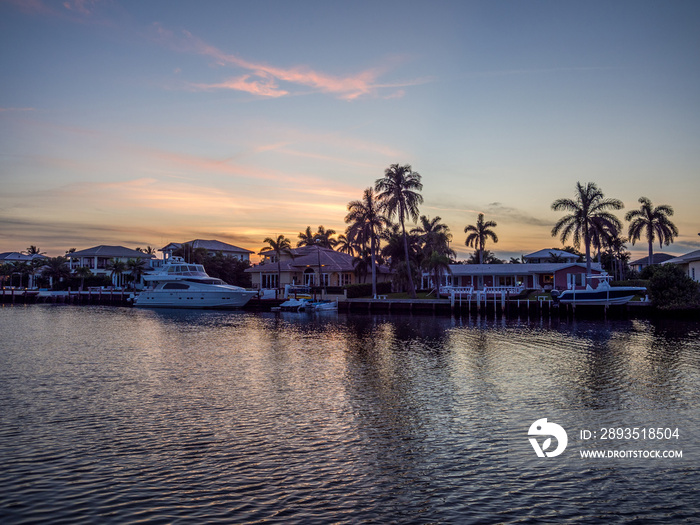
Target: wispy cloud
[
  {"x": 267, "y": 81},
  {"x": 515, "y": 215}
]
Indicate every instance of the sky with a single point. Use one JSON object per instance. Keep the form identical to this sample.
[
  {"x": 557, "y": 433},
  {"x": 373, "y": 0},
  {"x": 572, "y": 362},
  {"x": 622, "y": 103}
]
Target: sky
[{"x": 144, "y": 123}]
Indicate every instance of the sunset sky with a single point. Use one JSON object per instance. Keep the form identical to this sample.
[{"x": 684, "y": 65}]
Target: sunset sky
[{"x": 144, "y": 123}]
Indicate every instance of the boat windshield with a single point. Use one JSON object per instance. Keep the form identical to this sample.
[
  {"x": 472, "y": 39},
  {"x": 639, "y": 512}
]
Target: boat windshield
[
  {"x": 208, "y": 280},
  {"x": 187, "y": 269}
]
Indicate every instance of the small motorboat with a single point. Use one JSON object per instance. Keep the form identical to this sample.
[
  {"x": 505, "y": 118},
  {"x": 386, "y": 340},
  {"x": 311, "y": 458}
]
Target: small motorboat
[{"x": 602, "y": 295}]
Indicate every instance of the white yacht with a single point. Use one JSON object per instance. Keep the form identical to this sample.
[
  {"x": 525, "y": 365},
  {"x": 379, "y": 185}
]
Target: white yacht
[{"x": 181, "y": 285}]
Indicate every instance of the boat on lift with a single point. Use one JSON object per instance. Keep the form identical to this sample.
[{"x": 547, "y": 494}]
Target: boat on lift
[
  {"x": 602, "y": 295},
  {"x": 184, "y": 285}
]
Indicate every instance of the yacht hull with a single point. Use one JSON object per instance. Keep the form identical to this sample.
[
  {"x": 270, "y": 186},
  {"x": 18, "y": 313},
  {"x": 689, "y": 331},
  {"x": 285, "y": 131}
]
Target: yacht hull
[{"x": 193, "y": 299}]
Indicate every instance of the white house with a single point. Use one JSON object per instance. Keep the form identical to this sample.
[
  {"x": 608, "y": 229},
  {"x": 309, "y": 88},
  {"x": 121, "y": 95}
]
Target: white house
[
  {"x": 690, "y": 262},
  {"x": 17, "y": 257},
  {"x": 98, "y": 258},
  {"x": 533, "y": 276}
]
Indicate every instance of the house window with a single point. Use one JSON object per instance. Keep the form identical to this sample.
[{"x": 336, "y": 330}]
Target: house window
[
  {"x": 309, "y": 277},
  {"x": 346, "y": 278},
  {"x": 575, "y": 279},
  {"x": 269, "y": 280}
]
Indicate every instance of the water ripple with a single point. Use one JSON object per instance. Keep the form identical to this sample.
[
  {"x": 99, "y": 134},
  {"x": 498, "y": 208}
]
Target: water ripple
[{"x": 120, "y": 415}]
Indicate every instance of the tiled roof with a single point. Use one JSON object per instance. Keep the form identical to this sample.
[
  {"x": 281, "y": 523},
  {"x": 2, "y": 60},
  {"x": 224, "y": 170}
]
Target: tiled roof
[
  {"x": 17, "y": 256},
  {"x": 688, "y": 257},
  {"x": 110, "y": 251},
  {"x": 212, "y": 246},
  {"x": 657, "y": 258}
]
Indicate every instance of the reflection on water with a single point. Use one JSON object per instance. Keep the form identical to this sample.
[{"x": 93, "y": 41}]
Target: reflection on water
[{"x": 124, "y": 414}]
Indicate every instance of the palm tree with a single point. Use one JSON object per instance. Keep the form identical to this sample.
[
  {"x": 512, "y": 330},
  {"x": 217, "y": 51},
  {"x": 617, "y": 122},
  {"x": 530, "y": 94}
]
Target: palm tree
[
  {"x": 588, "y": 218},
  {"x": 21, "y": 268},
  {"x": 56, "y": 268},
  {"x": 117, "y": 269},
  {"x": 324, "y": 238},
  {"x": 435, "y": 236},
  {"x": 136, "y": 267},
  {"x": 366, "y": 222},
  {"x": 345, "y": 245},
  {"x": 33, "y": 250},
  {"x": 399, "y": 194},
  {"x": 486, "y": 256},
  {"x": 437, "y": 263},
  {"x": 279, "y": 246},
  {"x": 478, "y": 234},
  {"x": 653, "y": 222},
  {"x": 306, "y": 238},
  {"x": 83, "y": 272}
]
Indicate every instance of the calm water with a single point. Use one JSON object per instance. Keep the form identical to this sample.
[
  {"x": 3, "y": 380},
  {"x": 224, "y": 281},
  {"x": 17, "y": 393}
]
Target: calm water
[{"x": 125, "y": 415}]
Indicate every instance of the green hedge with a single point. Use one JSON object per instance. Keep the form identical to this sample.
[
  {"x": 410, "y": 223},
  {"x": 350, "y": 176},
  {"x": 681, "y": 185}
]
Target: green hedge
[{"x": 365, "y": 289}]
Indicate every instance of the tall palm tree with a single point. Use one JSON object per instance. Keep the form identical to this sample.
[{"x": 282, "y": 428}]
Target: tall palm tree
[
  {"x": 279, "y": 245},
  {"x": 479, "y": 233},
  {"x": 116, "y": 269},
  {"x": 367, "y": 222},
  {"x": 399, "y": 193},
  {"x": 589, "y": 216},
  {"x": 653, "y": 223}
]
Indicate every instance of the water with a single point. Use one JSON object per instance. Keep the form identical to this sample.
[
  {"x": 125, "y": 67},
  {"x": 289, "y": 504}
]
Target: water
[{"x": 125, "y": 415}]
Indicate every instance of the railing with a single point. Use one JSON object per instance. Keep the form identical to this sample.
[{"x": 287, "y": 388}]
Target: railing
[
  {"x": 513, "y": 290},
  {"x": 457, "y": 291}
]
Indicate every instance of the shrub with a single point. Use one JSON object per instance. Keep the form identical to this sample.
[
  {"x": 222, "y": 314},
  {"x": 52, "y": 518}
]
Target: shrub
[
  {"x": 671, "y": 289},
  {"x": 365, "y": 289}
]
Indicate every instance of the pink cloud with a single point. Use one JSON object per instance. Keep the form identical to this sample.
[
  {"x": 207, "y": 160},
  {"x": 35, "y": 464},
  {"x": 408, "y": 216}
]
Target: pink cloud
[{"x": 263, "y": 79}]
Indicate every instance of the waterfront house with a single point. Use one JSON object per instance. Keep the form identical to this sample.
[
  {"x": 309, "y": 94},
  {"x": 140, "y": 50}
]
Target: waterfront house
[
  {"x": 98, "y": 258},
  {"x": 515, "y": 277},
  {"x": 690, "y": 262},
  {"x": 212, "y": 248},
  {"x": 309, "y": 265},
  {"x": 658, "y": 258},
  {"x": 34, "y": 261}
]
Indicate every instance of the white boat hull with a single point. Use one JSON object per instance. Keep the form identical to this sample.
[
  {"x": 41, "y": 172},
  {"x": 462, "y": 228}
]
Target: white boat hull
[{"x": 601, "y": 296}]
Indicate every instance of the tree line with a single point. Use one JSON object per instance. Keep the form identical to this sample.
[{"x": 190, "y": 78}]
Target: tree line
[{"x": 377, "y": 234}]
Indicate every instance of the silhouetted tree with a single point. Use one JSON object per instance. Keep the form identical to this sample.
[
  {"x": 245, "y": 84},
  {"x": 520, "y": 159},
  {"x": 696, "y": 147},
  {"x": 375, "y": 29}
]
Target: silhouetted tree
[{"x": 588, "y": 218}]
